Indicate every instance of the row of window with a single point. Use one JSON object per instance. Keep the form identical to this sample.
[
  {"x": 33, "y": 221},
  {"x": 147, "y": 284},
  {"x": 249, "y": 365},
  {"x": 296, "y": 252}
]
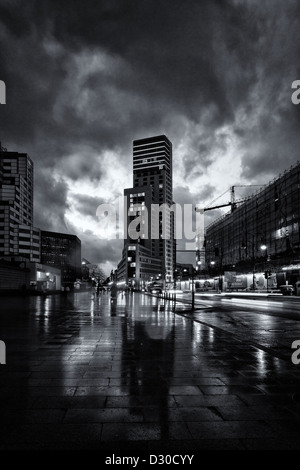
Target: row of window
[{"x": 137, "y": 194}]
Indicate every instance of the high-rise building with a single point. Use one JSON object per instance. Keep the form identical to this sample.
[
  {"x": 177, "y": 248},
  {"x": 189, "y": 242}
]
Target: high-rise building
[
  {"x": 151, "y": 196},
  {"x": 18, "y": 237},
  {"x": 152, "y": 167}
]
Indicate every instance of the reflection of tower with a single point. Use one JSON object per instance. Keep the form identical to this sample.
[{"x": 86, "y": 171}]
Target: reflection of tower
[{"x": 148, "y": 362}]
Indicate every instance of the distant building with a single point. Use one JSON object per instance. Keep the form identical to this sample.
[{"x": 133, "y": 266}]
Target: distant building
[
  {"x": 62, "y": 251},
  {"x": 138, "y": 266},
  {"x": 91, "y": 271},
  {"x": 18, "y": 237},
  {"x": 147, "y": 258},
  {"x": 184, "y": 271}
]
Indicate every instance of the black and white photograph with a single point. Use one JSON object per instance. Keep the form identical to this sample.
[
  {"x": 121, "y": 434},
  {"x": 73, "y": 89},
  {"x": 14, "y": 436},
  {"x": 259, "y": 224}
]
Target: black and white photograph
[{"x": 149, "y": 228}]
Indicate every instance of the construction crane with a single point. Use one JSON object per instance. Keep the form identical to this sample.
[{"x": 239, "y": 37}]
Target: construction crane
[
  {"x": 233, "y": 202},
  {"x": 218, "y": 207}
]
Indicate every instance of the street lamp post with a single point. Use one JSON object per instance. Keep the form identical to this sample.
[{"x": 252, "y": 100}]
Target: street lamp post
[
  {"x": 175, "y": 279},
  {"x": 253, "y": 258},
  {"x": 264, "y": 249},
  {"x": 245, "y": 247},
  {"x": 193, "y": 290},
  {"x": 193, "y": 293}
]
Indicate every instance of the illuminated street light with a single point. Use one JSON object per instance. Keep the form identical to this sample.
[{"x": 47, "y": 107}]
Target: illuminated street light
[{"x": 264, "y": 248}]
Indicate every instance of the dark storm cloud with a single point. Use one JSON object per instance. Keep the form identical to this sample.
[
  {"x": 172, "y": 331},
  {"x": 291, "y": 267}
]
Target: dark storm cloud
[
  {"x": 108, "y": 250},
  {"x": 201, "y": 152},
  {"x": 51, "y": 203},
  {"x": 168, "y": 48},
  {"x": 183, "y": 53},
  {"x": 103, "y": 252},
  {"x": 273, "y": 146},
  {"x": 271, "y": 137},
  {"x": 87, "y": 204},
  {"x": 83, "y": 164},
  {"x": 183, "y": 194},
  {"x": 205, "y": 193}
]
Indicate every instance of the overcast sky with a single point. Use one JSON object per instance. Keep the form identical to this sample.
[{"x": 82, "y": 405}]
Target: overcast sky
[{"x": 86, "y": 78}]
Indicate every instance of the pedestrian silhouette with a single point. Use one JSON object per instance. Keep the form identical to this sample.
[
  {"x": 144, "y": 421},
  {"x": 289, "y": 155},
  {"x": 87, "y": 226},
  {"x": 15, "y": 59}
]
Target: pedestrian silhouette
[{"x": 114, "y": 290}]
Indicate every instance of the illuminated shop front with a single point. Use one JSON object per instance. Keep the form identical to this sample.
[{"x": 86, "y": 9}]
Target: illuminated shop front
[{"x": 45, "y": 278}]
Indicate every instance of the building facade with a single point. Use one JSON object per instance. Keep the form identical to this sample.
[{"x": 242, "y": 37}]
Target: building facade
[
  {"x": 138, "y": 267},
  {"x": 262, "y": 234},
  {"x": 62, "y": 251},
  {"x": 150, "y": 224},
  {"x": 18, "y": 237}
]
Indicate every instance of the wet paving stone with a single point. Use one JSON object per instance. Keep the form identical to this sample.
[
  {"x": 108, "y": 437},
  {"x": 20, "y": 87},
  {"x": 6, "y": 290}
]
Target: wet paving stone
[
  {"x": 85, "y": 377},
  {"x": 232, "y": 430},
  {"x": 117, "y": 415},
  {"x": 36, "y": 436},
  {"x": 124, "y": 431},
  {"x": 230, "y": 390}
]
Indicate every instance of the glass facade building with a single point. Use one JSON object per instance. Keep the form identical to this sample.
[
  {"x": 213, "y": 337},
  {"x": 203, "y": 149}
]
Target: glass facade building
[
  {"x": 262, "y": 233},
  {"x": 63, "y": 251}
]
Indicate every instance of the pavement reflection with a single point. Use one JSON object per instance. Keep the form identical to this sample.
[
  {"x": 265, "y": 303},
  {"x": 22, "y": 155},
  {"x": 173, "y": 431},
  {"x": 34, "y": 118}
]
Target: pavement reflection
[{"x": 82, "y": 372}]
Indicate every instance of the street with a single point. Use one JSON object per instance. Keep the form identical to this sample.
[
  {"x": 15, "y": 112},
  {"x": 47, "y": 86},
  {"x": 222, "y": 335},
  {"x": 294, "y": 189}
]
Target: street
[
  {"x": 270, "y": 323},
  {"x": 82, "y": 373}
]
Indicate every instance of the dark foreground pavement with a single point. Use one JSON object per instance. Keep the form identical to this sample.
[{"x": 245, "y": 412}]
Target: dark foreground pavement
[{"x": 82, "y": 374}]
